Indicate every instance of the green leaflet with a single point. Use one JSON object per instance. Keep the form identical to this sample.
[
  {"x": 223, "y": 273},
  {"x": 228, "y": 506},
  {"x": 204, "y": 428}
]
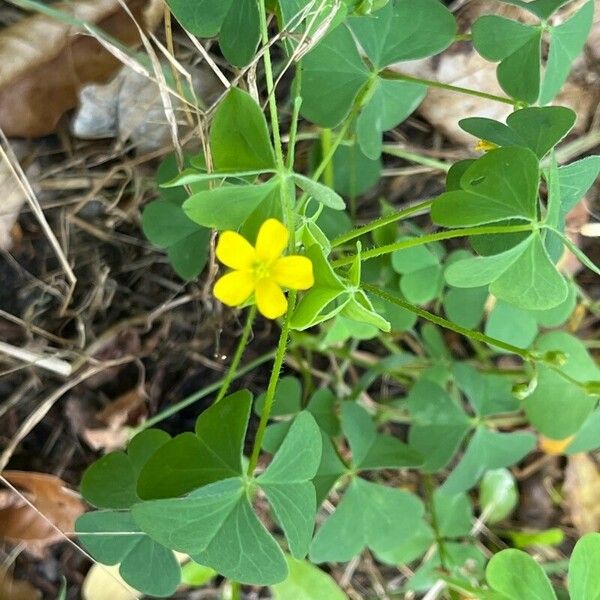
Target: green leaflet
[
  {"x": 239, "y": 136},
  {"x": 307, "y": 582},
  {"x": 231, "y": 205},
  {"x": 516, "y": 575},
  {"x": 166, "y": 225},
  {"x": 523, "y": 276},
  {"x": 335, "y": 71},
  {"x": 556, "y": 395},
  {"x": 391, "y": 517},
  {"x": 439, "y": 424},
  {"x": 206, "y": 18},
  {"x": 502, "y": 184},
  {"x": 112, "y": 537},
  {"x": 371, "y": 450},
  {"x": 518, "y": 48},
  {"x": 286, "y": 482},
  {"x": 487, "y": 450},
  {"x": 584, "y": 577},
  {"x": 566, "y": 42}
]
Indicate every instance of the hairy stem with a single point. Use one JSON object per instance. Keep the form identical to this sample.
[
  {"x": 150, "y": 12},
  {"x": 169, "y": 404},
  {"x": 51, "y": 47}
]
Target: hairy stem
[
  {"x": 274, "y": 379},
  {"x": 381, "y": 222},
  {"x": 469, "y": 333},
  {"x": 433, "y": 237},
  {"x": 389, "y": 74}
]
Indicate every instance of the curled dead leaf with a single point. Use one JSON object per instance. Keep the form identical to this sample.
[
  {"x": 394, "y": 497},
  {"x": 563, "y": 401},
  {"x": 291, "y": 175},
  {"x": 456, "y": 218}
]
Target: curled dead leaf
[
  {"x": 11, "y": 589},
  {"x": 128, "y": 410},
  {"x": 582, "y": 490},
  {"x": 45, "y": 61},
  {"x": 55, "y": 507}
]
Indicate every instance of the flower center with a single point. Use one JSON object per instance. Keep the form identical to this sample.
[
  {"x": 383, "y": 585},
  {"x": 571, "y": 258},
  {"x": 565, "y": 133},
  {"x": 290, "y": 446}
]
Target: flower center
[{"x": 261, "y": 270}]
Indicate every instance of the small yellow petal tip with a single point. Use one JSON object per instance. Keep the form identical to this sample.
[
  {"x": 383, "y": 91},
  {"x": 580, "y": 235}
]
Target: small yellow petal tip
[
  {"x": 485, "y": 146},
  {"x": 554, "y": 447}
]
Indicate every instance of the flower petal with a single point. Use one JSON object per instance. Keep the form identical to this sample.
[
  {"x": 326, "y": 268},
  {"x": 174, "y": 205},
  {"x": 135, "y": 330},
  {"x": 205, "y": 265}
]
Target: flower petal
[
  {"x": 271, "y": 241},
  {"x": 270, "y": 299},
  {"x": 235, "y": 252},
  {"x": 293, "y": 272},
  {"x": 234, "y": 288}
]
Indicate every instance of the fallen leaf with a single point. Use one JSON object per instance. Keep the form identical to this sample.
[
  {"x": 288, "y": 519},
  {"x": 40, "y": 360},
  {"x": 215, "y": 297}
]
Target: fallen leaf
[
  {"x": 56, "y": 506},
  {"x": 126, "y": 411},
  {"x": 13, "y": 196},
  {"x": 130, "y": 108},
  {"x": 45, "y": 61},
  {"x": 105, "y": 583},
  {"x": 11, "y": 589},
  {"x": 582, "y": 490}
]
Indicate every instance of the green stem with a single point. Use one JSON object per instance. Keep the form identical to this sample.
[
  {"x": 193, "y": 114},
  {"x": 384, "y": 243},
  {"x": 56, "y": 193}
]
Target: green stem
[
  {"x": 291, "y": 148},
  {"x": 213, "y": 387},
  {"x": 428, "y": 482},
  {"x": 236, "y": 590},
  {"x": 469, "y": 333},
  {"x": 389, "y": 74},
  {"x": 270, "y": 393},
  {"x": 381, "y": 222},
  {"x": 239, "y": 352},
  {"x": 287, "y": 202},
  {"x": 393, "y": 150},
  {"x": 325, "y": 146},
  {"x": 433, "y": 237},
  {"x": 333, "y": 146}
]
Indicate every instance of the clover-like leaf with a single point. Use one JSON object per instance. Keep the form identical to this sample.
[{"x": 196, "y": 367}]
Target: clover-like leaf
[
  {"x": 335, "y": 70},
  {"x": 487, "y": 450},
  {"x": 566, "y": 42},
  {"x": 439, "y": 425},
  {"x": 515, "y": 575},
  {"x": 517, "y": 47},
  {"x": 584, "y": 577},
  {"x": 540, "y": 8},
  {"x": 371, "y": 450},
  {"x": 216, "y": 523},
  {"x": 390, "y": 517},
  {"x": 558, "y": 395},
  {"x": 524, "y": 275},
  {"x": 112, "y": 537},
  {"x": 190, "y": 460},
  {"x": 502, "y": 184}
]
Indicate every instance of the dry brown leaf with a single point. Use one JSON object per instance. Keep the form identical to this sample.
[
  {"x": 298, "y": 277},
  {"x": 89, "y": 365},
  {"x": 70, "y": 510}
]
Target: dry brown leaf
[
  {"x": 130, "y": 108},
  {"x": 105, "y": 583},
  {"x": 11, "y": 589},
  {"x": 126, "y": 411},
  {"x": 45, "y": 62},
  {"x": 19, "y": 523},
  {"x": 582, "y": 490}
]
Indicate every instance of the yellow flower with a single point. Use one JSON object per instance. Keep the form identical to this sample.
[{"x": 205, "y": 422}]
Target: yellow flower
[
  {"x": 485, "y": 146},
  {"x": 261, "y": 270}
]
